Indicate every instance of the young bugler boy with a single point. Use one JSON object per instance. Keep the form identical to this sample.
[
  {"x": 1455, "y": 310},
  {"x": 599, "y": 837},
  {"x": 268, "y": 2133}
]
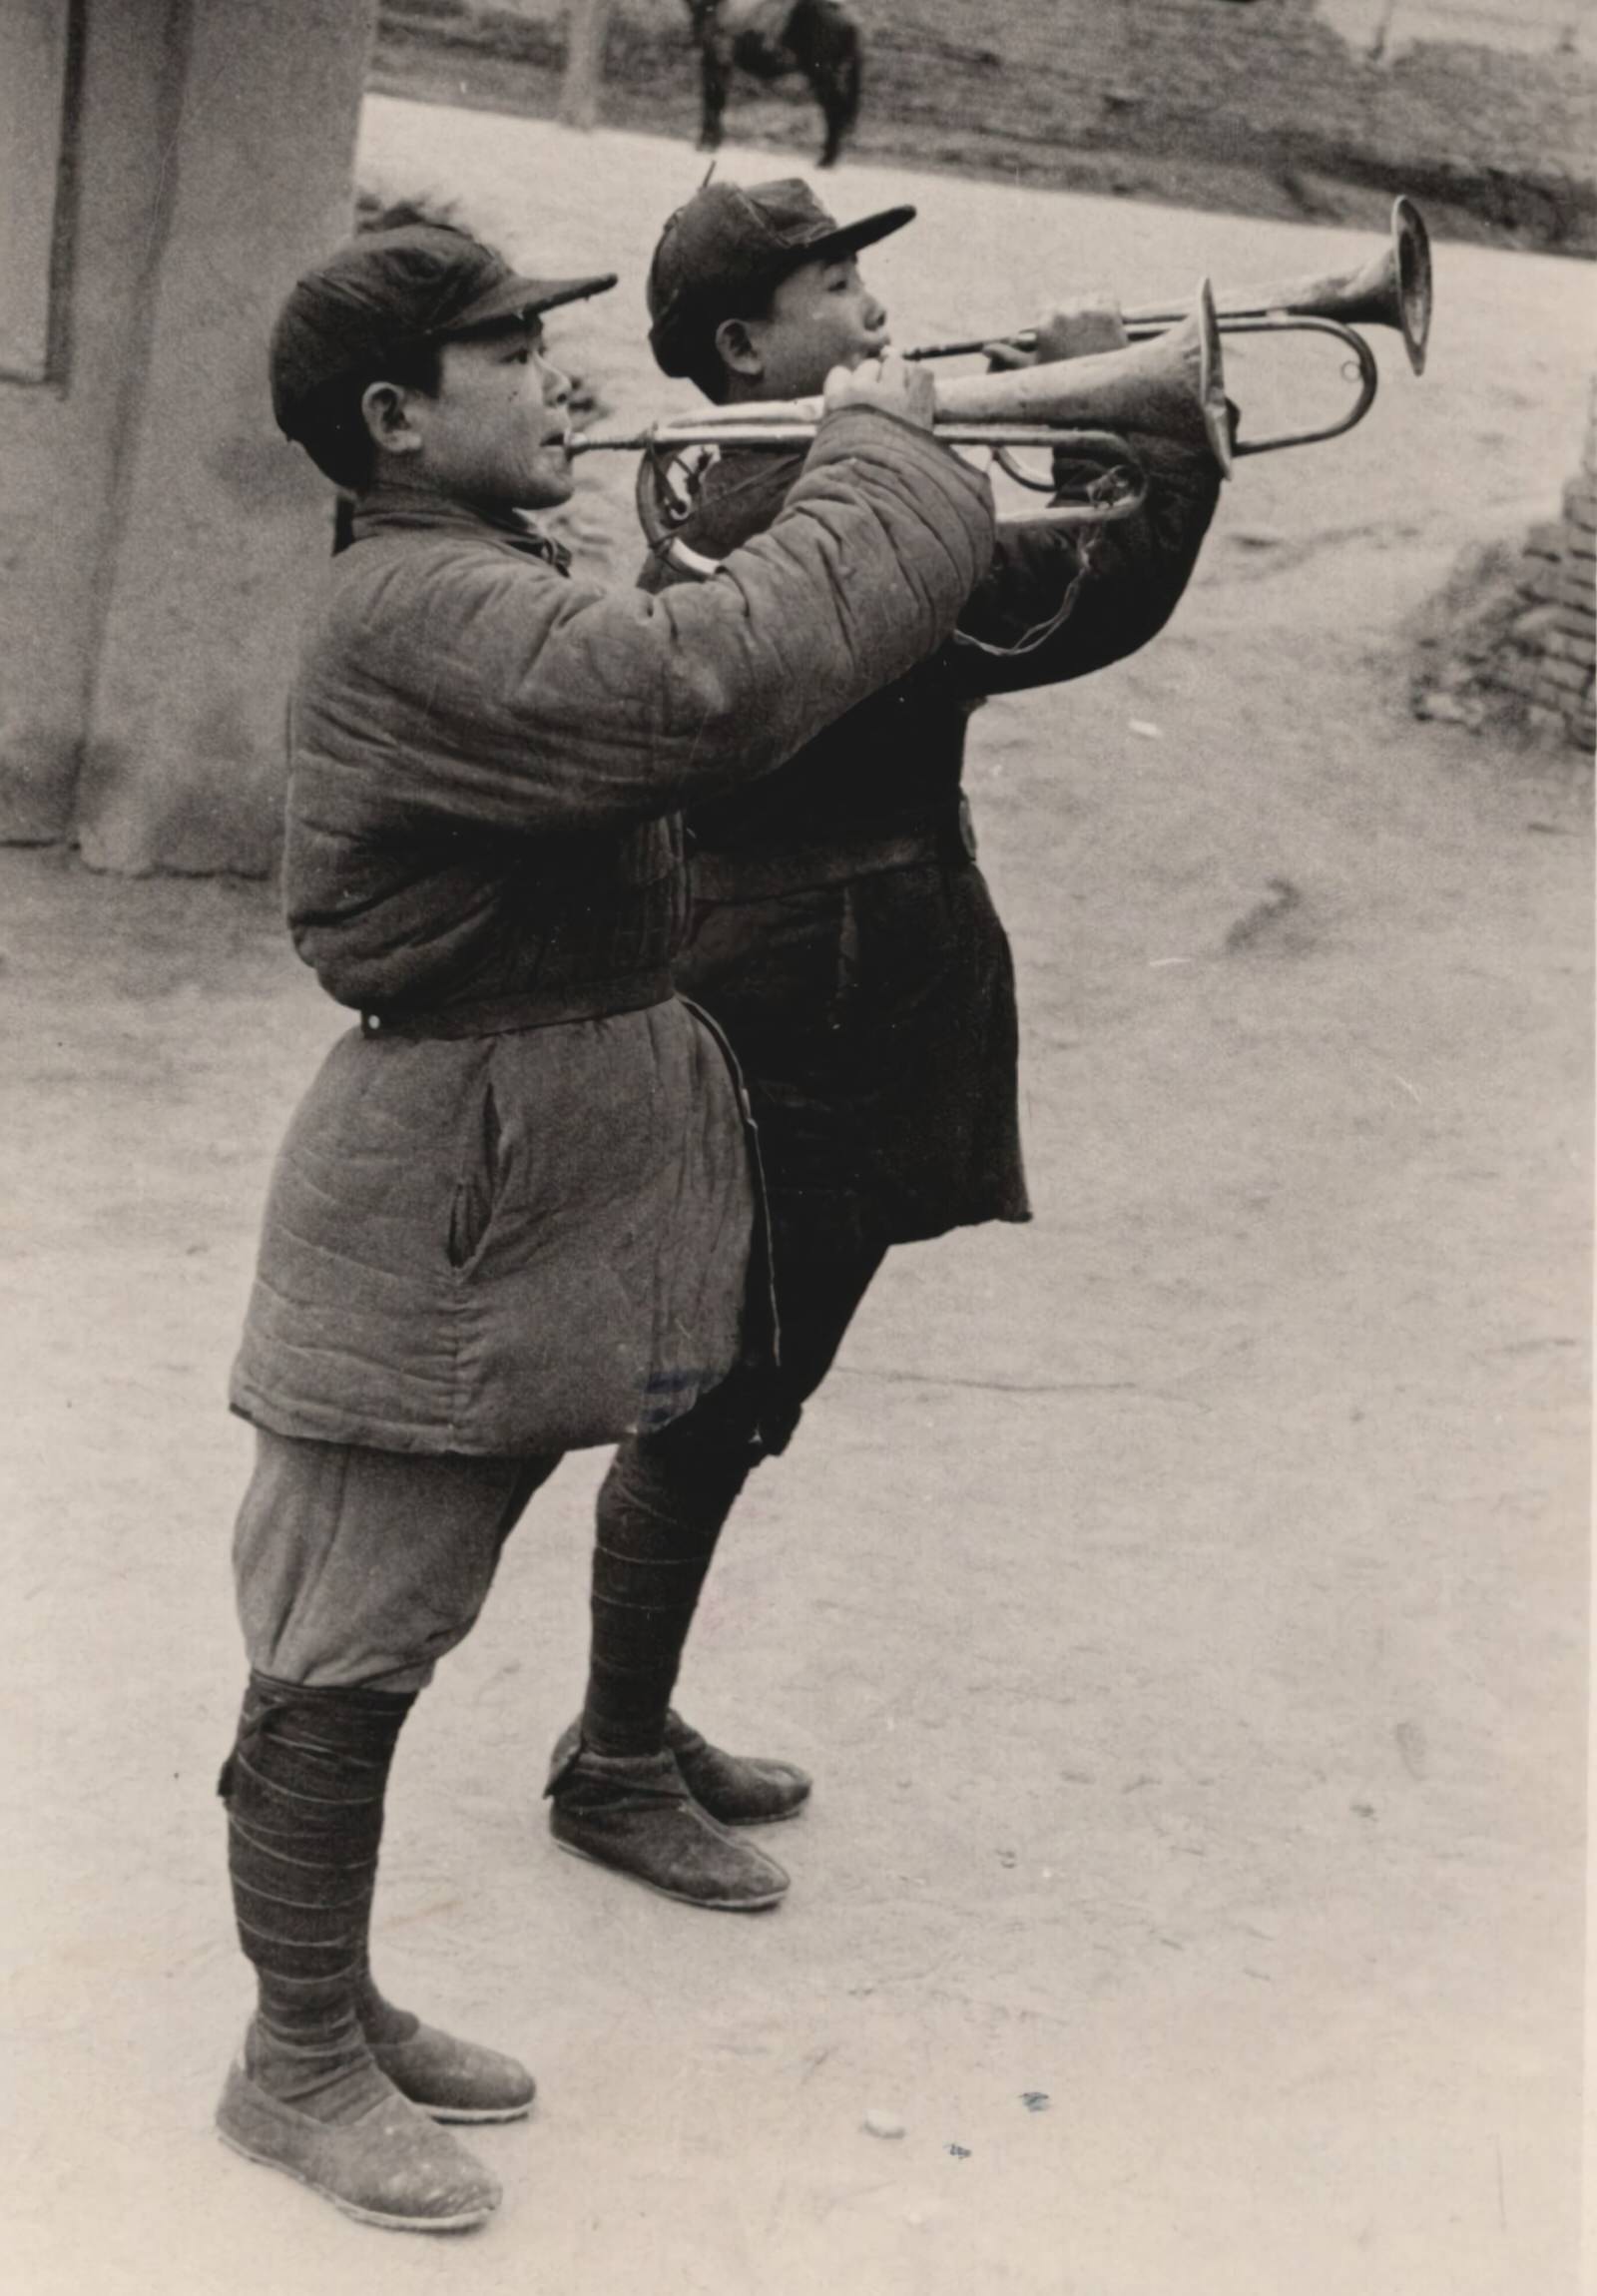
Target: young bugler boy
[
  {"x": 840, "y": 931},
  {"x": 512, "y": 1214}
]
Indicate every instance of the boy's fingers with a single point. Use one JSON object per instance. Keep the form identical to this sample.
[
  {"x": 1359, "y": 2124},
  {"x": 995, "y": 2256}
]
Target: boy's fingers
[
  {"x": 889, "y": 382},
  {"x": 1080, "y": 328}
]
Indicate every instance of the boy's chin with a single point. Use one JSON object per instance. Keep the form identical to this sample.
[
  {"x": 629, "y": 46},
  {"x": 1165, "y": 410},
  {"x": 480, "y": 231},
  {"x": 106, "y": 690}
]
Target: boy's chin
[
  {"x": 783, "y": 394},
  {"x": 811, "y": 384},
  {"x": 547, "y": 489}
]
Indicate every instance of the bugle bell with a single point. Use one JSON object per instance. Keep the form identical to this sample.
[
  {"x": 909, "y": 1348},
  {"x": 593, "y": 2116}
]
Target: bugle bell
[{"x": 1393, "y": 289}]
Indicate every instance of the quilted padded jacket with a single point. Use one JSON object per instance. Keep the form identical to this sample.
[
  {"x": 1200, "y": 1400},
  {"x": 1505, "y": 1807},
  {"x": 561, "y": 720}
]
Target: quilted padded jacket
[{"x": 512, "y": 1213}]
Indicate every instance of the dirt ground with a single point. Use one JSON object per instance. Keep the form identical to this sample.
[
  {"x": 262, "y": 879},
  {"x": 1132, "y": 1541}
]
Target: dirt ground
[{"x": 1181, "y": 1601}]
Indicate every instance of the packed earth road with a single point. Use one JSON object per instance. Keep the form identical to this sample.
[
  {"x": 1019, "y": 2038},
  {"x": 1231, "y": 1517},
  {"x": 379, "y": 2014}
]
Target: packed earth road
[{"x": 1181, "y": 1601}]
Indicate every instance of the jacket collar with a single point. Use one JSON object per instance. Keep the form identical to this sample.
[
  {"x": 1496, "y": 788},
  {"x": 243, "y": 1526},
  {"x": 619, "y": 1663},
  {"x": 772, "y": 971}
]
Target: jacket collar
[{"x": 397, "y": 507}]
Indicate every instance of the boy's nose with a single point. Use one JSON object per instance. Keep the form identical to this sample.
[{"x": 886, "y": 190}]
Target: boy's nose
[{"x": 556, "y": 386}]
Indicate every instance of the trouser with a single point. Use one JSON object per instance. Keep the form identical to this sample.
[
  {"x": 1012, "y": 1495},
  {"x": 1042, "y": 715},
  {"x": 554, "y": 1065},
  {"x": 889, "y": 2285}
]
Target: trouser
[
  {"x": 358, "y": 1568},
  {"x": 667, "y": 1496}
]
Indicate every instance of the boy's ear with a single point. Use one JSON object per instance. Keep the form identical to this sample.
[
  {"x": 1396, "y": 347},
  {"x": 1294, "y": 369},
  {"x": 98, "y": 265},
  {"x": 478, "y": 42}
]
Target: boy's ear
[
  {"x": 738, "y": 350},
  {"x": 385, "y": 408}
]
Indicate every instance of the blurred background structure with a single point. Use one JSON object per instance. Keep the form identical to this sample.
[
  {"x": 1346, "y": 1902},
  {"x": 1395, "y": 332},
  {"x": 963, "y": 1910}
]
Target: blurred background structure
[
  {"x": 1486, "y": 113},
  {"x": 168, "y": 168}
]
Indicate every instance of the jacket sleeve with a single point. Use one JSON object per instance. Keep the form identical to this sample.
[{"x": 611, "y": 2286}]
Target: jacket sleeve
[
  {"x": 487, "y": 689},
  {"x": 1132, "y": 573}
]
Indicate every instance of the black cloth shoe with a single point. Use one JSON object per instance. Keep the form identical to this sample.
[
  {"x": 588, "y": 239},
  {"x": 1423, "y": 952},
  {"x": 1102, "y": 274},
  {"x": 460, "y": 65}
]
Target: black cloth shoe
[
  {"x": 455, "y": 2079},
  {"x": 735, "y": 1789},
  {"x": 634, "y": 1813}
]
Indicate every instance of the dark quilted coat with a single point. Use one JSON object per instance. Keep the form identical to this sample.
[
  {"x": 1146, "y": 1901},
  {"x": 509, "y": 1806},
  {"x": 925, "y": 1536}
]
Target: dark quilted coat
[{"x": 840, "y": 930}]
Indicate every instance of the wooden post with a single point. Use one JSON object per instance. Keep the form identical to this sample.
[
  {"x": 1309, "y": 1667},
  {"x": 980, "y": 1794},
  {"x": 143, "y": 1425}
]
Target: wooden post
[{"x": 587, "y": 22}]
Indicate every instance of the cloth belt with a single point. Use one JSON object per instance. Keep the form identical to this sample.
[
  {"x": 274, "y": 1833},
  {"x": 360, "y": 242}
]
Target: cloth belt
[
  {"x": 529, "y": 1007},
  {"x": 732, "y": 874}
]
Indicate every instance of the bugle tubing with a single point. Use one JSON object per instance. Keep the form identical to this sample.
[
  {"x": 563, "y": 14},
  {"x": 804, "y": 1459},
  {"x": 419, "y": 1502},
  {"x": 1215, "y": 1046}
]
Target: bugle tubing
[
  {"x": 1393, "y": 289},
  {"x": 1172, "y": 385}
]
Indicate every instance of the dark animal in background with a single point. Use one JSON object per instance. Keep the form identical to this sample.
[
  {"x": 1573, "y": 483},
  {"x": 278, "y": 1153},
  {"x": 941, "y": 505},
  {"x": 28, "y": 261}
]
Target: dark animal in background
[{"x": 768, "y": 39}]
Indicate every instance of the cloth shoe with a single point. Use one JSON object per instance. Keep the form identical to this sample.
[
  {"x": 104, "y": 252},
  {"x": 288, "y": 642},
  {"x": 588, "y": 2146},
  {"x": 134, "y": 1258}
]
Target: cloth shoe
[
  {"x": 735, "y": 1789},
  {"x": 634, "y": 1813},
  {"x": 452, "y": 2080},
  {"x": 391, "y": 2165},
  {"x": 455, "y": 2079}
]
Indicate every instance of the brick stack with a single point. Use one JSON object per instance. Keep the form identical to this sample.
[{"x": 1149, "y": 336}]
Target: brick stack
[{"x": 1551, "y": 642}]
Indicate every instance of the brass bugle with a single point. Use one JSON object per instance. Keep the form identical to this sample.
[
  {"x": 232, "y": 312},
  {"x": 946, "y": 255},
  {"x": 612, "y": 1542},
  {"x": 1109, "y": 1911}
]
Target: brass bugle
[
  {"x": 1393, "y": 289},
  {"x": 1171, "y": 385}
]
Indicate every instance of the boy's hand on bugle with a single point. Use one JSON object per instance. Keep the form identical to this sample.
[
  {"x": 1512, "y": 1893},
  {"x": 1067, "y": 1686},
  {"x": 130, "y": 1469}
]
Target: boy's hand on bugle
[
  {"x": 1076, "y": 328},
  {"x": 888, "y": 382}
]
